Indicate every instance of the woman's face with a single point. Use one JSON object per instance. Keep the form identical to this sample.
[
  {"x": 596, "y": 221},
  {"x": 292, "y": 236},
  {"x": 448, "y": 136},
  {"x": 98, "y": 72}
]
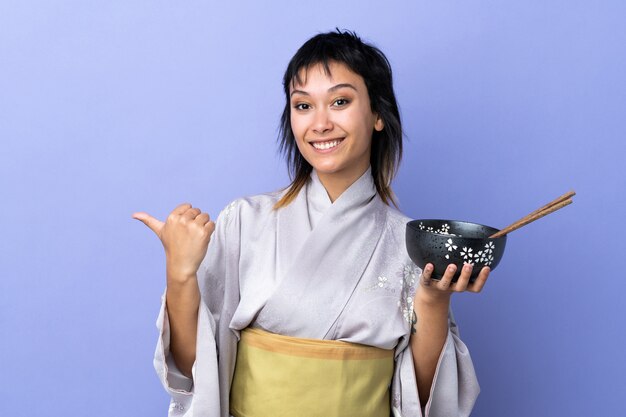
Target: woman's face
[{"x": 332, "y": 121}]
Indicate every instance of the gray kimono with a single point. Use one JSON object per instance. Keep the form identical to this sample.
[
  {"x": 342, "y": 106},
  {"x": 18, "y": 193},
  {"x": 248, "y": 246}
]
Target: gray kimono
[{"x": 313, "y": 269}]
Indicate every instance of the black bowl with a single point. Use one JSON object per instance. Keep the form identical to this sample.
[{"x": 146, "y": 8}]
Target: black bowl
[{"x": 444, "y": 242}]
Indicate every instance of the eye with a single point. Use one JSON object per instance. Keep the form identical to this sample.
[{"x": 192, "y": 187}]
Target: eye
[
  {"x": 340, "y": 102},
  {"x": 301, "y": 106}
]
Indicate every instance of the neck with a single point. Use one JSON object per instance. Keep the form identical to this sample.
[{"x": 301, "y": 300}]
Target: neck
[{"x": 336, "y": 183}]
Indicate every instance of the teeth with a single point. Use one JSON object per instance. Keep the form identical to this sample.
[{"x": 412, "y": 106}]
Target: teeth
[{"x": 326, "y": 145}]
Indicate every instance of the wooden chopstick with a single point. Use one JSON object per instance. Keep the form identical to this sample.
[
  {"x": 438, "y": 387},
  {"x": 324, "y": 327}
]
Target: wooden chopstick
[
  {"x": 554, "y": 202},
  {"x": 532, "y": 215},
  {"x": 554, "y": 205}
]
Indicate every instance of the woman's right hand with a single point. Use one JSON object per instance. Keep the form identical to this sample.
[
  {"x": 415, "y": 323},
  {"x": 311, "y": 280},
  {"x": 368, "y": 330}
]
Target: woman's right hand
[{"x": 185, "y": 236}]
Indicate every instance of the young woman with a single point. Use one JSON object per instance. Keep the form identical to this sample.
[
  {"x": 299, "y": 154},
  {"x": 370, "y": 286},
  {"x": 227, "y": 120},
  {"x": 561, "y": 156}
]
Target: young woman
[{"x": 304, "y": 302}]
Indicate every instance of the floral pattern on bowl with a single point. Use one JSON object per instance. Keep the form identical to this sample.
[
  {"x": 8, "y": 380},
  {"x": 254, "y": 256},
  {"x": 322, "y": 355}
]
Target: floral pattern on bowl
[{"x": 444, "y": 242}]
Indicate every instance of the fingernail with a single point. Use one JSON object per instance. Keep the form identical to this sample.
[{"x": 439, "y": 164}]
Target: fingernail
[
  {"x": 467, "y": 267},
  {"x": 429, "y": 268},
  {"x": 451, "y": 268}
]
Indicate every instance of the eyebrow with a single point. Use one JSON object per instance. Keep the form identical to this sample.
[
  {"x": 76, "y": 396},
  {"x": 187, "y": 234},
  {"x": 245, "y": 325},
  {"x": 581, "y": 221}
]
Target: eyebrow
[{"x": 330, "y": 90}]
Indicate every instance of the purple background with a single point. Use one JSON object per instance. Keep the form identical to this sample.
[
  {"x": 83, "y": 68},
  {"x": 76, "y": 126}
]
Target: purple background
[{"x": 111, "y": 107}]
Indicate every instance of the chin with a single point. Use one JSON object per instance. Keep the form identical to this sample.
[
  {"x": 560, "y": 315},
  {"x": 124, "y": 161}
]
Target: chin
[{"x": 326, "y": 169}]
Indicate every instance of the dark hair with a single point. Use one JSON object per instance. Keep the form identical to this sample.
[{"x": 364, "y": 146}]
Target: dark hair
[{"x": 370, "y": 63}]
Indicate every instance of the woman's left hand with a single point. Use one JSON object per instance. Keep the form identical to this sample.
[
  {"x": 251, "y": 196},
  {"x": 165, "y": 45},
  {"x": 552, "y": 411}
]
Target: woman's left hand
[
  {"x": 430, "y": 325},
  {"x": 439, "y": 290}
]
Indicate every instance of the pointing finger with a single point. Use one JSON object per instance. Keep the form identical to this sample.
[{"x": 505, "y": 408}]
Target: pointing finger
[{"x": 154, "y": 224}]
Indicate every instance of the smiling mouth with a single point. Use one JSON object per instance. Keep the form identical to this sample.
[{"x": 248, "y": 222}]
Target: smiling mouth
[{"x": 329, "y": 144}]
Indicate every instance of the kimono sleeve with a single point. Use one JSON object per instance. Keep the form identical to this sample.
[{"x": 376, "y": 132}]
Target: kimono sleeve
[
  {"x": 454, "y": 389},
  {"x": 211, "y": 276}
]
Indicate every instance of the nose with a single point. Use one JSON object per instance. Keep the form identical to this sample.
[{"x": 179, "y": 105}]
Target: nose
[{"x": 322, "y": 122}]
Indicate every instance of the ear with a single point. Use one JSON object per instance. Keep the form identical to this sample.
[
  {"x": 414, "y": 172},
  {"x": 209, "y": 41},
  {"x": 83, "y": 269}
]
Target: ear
[{"x": 379, "y": 124}]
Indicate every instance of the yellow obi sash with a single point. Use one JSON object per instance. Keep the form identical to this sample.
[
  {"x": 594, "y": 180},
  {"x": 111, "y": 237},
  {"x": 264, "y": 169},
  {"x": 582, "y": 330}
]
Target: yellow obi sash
[{"x": 286, "y": 376}]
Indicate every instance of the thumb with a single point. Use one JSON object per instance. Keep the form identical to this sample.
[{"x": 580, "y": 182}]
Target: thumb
[{"x": 154, "y": 224}]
